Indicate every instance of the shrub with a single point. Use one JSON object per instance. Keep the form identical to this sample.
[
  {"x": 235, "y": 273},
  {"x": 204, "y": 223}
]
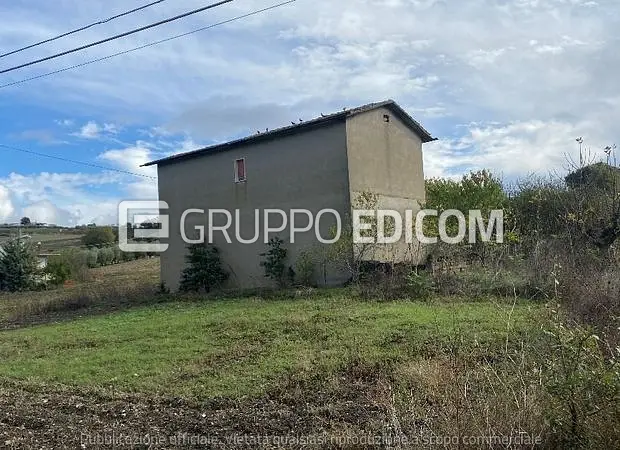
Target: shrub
[
  {"x": 76, "y": 261},
  {"x": 128, "y": 256},
  {"x": 117, "y": 255},
  {"x": 305, "y": 268},
  {"x": 58, "y": 269},
  {"x": 92, "y": 258},
  {"x": 585, "y": 389},
  {"x": 99, "y": 237},
  {"x": 419, "y": 284},
  {"x": 275, "y": 261},
  {"x": 204, "y": 269},
  {"x": 105, "y": 256}
]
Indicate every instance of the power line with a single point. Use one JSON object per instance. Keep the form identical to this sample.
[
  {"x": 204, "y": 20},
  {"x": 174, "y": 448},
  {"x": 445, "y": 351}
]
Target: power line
[
  {"x": 59, "y": 158},
  {"x": 113, "y": 55},
  {"x": 118, "y": 36},
  {"x": 86, "y": 27}
]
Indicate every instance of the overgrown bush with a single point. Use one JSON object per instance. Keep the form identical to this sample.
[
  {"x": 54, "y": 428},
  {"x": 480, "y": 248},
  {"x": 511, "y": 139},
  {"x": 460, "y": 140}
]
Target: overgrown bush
[
  {"x": 58, "y": 270},
  {"x": 92, "y": 258},
  {"x": 419, "y": 284},
  {"x": 77, "y": 262},
  {"x": 306, "y": 267},
  {"x": 99, "y": 237},
  {"x": 274, "y": 262},
  {"x": 117, "y": 255},
  {"x": 128, "y": 256},
  {"x": 204, "y": 271},
  {"x": 584, "y": 386},
  {"x": 105, "y": 256}
]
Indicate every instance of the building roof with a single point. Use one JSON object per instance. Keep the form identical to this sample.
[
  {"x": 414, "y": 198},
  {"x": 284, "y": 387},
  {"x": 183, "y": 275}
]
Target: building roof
[{"x": 424, "y": 135}]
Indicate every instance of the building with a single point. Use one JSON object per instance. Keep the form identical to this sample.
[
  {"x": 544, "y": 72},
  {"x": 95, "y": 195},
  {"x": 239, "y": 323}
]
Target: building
[{"x": 319, "y": 164}]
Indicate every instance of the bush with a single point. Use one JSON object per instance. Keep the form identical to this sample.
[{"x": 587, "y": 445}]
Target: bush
[
  {"x": 275, "y": 262},
  {"x": 128, "y": 256},
  {"x": 76, "y": 261},
  {"x": 58, "y": 269},
  {"x": 99, "y": 237},
  {"x": 92, "y": 258},
  {"x": 305, "y": 269},
  {"x": 585, "y": 388},
  {"x": 419, "y": 285},
  {"x": 118, "y": 257},
  {"x": 204, "y": 269},
  {"x": 105, "y": 256}
]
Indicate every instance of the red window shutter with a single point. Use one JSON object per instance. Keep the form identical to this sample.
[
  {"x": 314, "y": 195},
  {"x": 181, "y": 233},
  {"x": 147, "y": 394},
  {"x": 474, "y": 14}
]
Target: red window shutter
[{"x": 241, "y": 170}]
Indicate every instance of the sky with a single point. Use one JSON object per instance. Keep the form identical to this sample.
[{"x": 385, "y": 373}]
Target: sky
[{"x": 506, "y": 85}]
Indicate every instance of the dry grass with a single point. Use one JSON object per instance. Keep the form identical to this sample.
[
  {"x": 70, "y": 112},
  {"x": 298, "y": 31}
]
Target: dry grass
[{"x": 108, "y": 288}]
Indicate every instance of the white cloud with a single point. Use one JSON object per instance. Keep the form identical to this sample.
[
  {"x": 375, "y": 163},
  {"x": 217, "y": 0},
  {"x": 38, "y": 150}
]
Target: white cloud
[
  {"x": 68, "y": 198},
  {"x": 542, "y": 71},
  {"x": 514, "y": 149},
  {"x": 93, "y": 130},
  {"x": 130, "y": 159},
  {"x": 110, "y": 128},
  {"x": 45, "y": 211},
  {"x": 6, "y": 205},
  {"x": 89, "y": 131}
]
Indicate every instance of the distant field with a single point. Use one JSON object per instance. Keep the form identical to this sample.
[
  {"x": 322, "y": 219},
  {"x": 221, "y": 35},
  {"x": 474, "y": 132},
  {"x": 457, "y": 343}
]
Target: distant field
[
  {"x": 116, "y": 283},
  {"x": 52, "y": 239}
]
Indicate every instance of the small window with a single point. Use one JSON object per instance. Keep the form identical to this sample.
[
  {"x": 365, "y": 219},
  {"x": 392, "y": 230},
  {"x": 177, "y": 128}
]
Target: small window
[
  {"x": 240, "y": 174},
  {"x": 386, "y": 118}
]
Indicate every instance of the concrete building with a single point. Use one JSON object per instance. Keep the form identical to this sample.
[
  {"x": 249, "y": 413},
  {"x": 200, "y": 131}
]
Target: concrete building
[{"x": 319, "y": 164}]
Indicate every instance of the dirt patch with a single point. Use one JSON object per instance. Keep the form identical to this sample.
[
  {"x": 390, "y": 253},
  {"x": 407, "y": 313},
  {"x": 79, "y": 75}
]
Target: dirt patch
[{"x": 290, "y": 417}]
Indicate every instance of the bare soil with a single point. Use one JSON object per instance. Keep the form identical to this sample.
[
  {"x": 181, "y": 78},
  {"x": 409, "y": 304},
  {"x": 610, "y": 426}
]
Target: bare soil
[{"x": 294, "y": 416}]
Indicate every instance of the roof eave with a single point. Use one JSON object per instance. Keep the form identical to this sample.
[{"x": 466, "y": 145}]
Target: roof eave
[{"x": 249, "y": 140}]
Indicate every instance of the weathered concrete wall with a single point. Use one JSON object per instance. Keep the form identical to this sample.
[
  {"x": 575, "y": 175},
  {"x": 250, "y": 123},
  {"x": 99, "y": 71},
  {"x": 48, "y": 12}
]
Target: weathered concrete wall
[
  {"x": 305, "y": 170},
  {"x": 385, "y": 158}
]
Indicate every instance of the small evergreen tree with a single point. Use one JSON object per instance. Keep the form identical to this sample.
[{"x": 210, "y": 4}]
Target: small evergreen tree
[
  {"x": 204, "y": 269},
  {"x": 18, "y": 265},
  {"x": 275, "y": 261}
]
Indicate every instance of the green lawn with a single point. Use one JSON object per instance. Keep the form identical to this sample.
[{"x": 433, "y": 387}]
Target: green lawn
[{"x": 244, "y": 346}]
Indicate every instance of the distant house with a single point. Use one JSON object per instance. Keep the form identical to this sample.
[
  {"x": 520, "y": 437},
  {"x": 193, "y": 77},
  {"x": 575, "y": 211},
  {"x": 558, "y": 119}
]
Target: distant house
[{"x": 317, "y": 164}]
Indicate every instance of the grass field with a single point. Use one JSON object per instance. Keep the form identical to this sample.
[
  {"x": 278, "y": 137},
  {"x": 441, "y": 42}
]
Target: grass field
[
  {"x": 52, "y": 239},
  {"x": 241, "y": 347},
  {"x": 113, "y": 354}
]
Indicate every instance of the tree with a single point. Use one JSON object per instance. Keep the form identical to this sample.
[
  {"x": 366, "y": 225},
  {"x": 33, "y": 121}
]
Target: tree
[
  {"x": 98, "y": 237},
  {"x": 479, "y": 190},
  {"x": 594, "y": 194},
  {"x": 18, "y": 265},
  {"x": 476, "y": 190},
  {"x": 204, "y": 269},
  {"x": 25, "y": 221},
  {"x": 583, "y": 209}
]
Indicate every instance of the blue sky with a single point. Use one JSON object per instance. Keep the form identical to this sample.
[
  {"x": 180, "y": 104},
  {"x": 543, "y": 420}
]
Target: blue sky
[{"x": 504, "y": 85}]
